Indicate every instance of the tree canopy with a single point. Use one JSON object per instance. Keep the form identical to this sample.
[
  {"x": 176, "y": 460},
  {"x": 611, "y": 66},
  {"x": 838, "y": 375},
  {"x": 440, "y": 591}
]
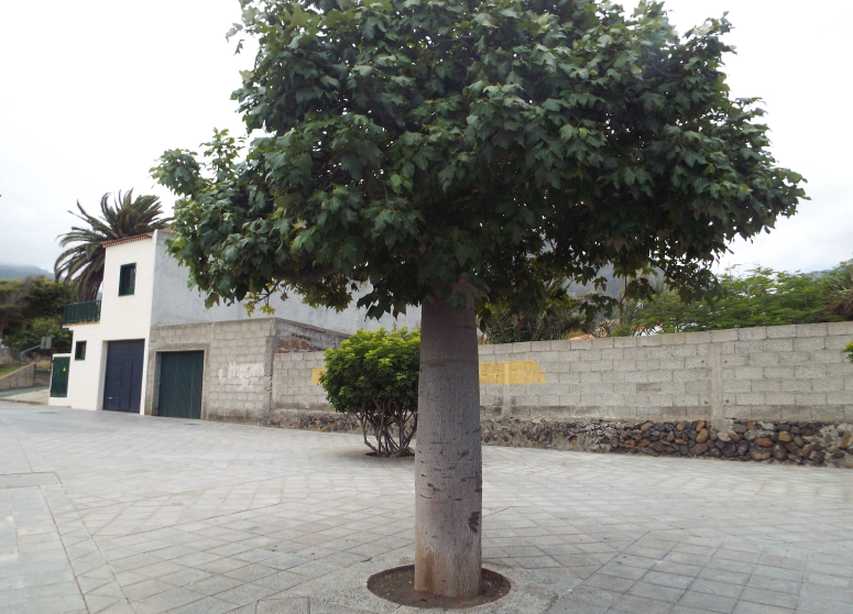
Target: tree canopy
[
  {"x": 31, "y": 309},
  {"x": 407, "y": 144}
]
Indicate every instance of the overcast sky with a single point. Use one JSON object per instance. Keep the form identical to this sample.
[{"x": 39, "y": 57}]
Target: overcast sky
[{"x": 92, "y": 91}]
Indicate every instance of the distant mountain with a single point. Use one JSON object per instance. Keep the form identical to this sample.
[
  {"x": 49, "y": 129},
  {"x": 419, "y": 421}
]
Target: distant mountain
[{"x": 20, "y": 271}]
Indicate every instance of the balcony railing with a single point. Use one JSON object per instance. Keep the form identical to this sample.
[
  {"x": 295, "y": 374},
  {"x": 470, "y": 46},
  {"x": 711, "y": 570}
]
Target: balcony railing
[{"x": 78, "y": 313}]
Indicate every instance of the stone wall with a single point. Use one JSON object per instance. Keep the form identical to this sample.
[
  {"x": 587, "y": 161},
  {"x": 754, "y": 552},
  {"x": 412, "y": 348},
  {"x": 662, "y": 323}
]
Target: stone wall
[
  {"x": 20, "y": 378},
  {"x": 787, "y": 373},
  {"x": 803, "y": 443},
  {"x": 238, "y": 362}
]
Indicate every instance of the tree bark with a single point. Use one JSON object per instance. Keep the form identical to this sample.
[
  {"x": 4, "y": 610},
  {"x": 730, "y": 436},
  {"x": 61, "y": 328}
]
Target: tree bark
[{"x": 448, "y": 459}]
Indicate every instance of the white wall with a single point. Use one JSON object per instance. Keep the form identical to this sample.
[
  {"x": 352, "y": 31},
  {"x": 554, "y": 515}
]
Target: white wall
[
  {"x": 122, "y": 318},
  {"x": 176, "y": 303}
]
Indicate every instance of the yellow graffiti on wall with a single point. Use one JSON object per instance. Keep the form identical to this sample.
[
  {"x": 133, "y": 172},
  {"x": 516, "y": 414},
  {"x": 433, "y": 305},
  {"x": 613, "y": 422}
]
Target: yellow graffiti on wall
[{"x": 510, "y": 372}]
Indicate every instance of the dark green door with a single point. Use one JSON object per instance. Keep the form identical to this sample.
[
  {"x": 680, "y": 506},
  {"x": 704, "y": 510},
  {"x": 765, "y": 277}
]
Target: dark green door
[
  {"x": 59, "y": 377},
  {"x": 180, "y": 384},
  {"x": 123, "y": 378}
]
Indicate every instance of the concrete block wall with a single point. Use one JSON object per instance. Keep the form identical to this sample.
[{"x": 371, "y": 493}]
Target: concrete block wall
[
  {"x": 238, "y": 362},
  {"x": 295, "y": 381},
  {"x": 237, "y": 365},
  {"x": 795, "y": 373}
]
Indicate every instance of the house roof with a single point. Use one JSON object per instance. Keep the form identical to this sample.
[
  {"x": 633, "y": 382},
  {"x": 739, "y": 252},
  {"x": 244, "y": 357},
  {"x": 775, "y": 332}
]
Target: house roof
[{"x": 111, "y": 242}]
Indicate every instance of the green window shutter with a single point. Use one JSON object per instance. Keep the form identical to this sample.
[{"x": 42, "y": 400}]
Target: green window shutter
[
  {"x": 127, "y": 279},
  {"x": 80, "y": 350}
]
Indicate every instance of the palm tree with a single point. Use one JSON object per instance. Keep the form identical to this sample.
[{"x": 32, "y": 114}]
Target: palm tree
[{"x": 82, "y": 262}]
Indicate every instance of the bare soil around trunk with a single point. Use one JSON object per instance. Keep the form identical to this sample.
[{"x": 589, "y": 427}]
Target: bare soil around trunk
[{"x": 398, "y": 585}]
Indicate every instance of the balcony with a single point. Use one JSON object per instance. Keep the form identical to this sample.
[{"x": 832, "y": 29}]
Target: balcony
[{"x": 81, "y": 313}]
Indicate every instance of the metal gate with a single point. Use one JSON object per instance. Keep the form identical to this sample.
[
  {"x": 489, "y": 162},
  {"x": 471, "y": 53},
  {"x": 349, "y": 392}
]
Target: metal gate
[
  {"x": 59, "y": 376},
  {"x": 181, "y": 376}
]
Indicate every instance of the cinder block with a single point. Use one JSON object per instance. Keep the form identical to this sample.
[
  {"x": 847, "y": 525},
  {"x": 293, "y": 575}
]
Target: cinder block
[
  {"x": 658, "y": 376},
  {"x": 749, "y": 373},
  {"x": 749, "y": 334},
  {"x": 691, "y": 375},
  {"x": 779, "y": 345},
  {"x": 695, "y": 362},
  {"x": 810, "y": 398},
  {"x": 724, "y": 335},
  {"x": 809, "y": 344},
  {"x": 840, "y": 328},
  {"x": 828, "y": 356},
  {"x": 767, "y": 385},
  {"x": 592, "y": 365},
  {"x": 591, "y": 377},
  {"x": 749, "y": 347},
  {"x": 730, "y": 386},
  {"x": 750, "y": 398},
  {"x": 699, "y": 386},
  {"x": 624, "y": 365},
  {"x": 794, "y": 358},
  {"x": 838, "y": 398},
  {"x": 603, "y": 343},
  {"x": 625, "y": 342},
  {"x": 810, "y": 372},
  {"x": 838, "y": 342},
  {"x": 570, "y": 399},
  {"x": 612, "y": 354},
  {"x": 650, "y": 341},
  {"x": 778, "y": 332},
  {"x": 798, "y": 385},
  {"x": 694, "y": 338},
  {"x": 811, "y": 330},
  {"x": 763, "y": 359},
  {"x": 780, "y": 398}
]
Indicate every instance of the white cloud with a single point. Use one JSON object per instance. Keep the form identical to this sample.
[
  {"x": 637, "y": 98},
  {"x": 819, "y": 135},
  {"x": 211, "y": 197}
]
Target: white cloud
[{"x": 94, "y": 90}]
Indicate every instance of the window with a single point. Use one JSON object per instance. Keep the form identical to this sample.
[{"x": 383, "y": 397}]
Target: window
[
  {"x": 80, "y": 350},
  {"x": 127, "y": 279}
]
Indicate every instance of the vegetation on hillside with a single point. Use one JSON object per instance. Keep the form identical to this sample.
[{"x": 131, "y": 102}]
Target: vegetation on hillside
[
  {"x": 762, "y": 297},
  {"x": 31, "y": 309}
]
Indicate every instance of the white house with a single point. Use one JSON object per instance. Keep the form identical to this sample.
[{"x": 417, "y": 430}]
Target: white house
[{"x": 144, "y": 289}]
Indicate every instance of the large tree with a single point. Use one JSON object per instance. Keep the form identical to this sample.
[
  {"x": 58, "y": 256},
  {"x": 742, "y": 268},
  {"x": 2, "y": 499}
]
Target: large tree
[
  {"x": 444, "y": 152},
  {"x": 82, "y": 261}
]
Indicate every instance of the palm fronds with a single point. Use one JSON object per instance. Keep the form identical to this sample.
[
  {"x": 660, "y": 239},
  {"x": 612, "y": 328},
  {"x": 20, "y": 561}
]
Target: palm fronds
[{"x": 82, "y": 261}]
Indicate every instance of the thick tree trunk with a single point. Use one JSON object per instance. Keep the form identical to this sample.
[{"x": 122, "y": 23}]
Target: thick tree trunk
[{"x": 448, "y": 461}]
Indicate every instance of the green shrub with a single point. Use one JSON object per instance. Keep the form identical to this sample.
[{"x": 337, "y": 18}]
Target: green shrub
[
  {"x": 849, "y": 350},
  {"x": 374, "y": 376}
]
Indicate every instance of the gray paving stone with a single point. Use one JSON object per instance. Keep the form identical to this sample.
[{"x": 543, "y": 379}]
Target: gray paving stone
[{"x": 246, "y": 514}]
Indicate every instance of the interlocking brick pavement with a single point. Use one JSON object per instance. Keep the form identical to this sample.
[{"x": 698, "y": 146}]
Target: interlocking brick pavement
[{"x": 105, "y": 512}]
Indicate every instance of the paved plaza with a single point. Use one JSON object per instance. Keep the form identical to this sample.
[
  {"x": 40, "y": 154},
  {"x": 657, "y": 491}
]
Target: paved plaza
[{"x": 105, "y": 512}]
